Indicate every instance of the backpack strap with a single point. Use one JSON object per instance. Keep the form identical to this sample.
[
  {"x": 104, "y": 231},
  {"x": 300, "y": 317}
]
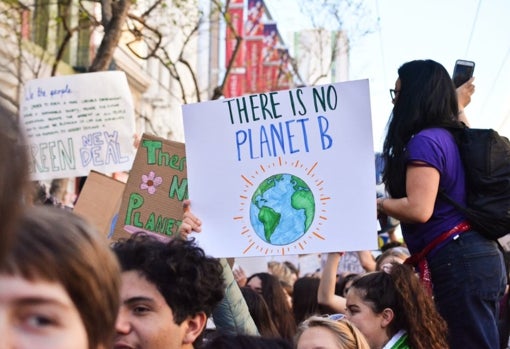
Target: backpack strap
[{"x": 442, "y": 194}]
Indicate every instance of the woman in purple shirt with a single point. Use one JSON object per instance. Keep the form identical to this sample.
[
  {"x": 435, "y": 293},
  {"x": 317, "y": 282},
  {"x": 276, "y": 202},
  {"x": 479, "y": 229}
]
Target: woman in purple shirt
[{"x": 464, "y": 270}]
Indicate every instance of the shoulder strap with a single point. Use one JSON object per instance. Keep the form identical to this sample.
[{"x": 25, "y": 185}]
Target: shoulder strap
[{"x": 442, "y": 194}]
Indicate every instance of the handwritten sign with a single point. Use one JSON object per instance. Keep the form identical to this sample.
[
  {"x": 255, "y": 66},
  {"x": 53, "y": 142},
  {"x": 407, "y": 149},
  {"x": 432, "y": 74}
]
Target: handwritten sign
[
  {"x": 78, "y": 123},
  {"x": 156, "y": 187},
  {"x": 286, "y": 172}
]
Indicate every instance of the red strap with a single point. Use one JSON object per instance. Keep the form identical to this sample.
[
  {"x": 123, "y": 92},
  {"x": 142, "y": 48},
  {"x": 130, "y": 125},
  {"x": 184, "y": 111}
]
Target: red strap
[
  {"x": 419, "y": 259},
  {"x": 459, "y": 228}
]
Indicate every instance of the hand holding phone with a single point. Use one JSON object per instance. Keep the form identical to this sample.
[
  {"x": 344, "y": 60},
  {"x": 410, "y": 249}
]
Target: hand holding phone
[{"x": 462, "y": 72}]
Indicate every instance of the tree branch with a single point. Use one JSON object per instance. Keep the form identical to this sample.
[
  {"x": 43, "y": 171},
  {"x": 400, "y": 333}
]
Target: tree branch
[{"x": 104, "y": 54}]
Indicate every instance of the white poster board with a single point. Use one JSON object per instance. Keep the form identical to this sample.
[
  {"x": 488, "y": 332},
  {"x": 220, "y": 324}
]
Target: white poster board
[
  {"x": 78, "y": 123},
  {"x": 284, "y": 172}
]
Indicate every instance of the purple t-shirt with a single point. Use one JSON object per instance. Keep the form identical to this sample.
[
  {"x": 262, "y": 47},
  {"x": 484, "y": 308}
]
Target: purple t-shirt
[{"x": 436, "y": 147}]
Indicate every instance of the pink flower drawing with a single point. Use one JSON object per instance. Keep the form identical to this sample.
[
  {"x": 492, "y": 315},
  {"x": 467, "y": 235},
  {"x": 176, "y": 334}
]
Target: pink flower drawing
[{"x": 150, "y": 182}]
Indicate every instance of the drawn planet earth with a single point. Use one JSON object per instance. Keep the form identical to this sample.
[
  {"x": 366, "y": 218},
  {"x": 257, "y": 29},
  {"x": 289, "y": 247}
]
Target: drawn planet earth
[{"x": 282, "y": 209}]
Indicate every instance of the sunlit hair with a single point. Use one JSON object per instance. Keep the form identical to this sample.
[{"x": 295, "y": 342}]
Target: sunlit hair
[
  {"x": 55, "y": 245},
  {"x": 283, "y": 271},
  {"x": 347, "y": 335},
  {"x": 285, "y": 274},
  {"x": 231, "y": 341},
  {"x": 398, "y": 289},
  {"x": 389, "y": 255}
]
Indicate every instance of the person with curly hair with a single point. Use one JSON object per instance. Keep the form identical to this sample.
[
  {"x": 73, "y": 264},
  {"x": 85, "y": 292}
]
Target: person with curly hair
[
  {"x": 169, "y": 290},
  {"x": 393, "y": 310}
]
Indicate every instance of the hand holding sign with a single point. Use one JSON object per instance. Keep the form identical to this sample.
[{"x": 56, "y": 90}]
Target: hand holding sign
[{"x": 190, "y": 223}]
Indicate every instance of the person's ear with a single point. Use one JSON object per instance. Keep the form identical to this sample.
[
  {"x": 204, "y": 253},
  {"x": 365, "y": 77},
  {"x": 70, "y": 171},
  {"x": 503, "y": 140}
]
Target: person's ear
[
  {"x": 387, "y": 317},
  {"x": 194, "y": 327}
]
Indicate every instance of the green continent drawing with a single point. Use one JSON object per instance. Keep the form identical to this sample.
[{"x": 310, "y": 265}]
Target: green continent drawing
[
  {"x": 282, "y": 209},
  {"x": 270, "y": 220}
]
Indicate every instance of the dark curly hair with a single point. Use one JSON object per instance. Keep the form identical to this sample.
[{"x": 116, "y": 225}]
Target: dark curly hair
[
  {"x": 415, "y": 312},
  {"x": 189, "y": 281}
]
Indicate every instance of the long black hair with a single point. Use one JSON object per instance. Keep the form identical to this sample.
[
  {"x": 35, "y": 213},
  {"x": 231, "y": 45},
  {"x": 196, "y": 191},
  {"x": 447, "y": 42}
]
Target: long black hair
[{"x": 426, "y": 99}]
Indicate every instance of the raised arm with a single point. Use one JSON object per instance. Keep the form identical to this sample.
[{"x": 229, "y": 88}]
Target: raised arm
[
  {"x": 326, "y": 294},
  {"x": 367, "y": 260},
  {"x": 464, "y": 93}
]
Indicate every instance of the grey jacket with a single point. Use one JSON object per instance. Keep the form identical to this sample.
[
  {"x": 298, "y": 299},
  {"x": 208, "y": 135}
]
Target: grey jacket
[{"x": 232, "y": 316}]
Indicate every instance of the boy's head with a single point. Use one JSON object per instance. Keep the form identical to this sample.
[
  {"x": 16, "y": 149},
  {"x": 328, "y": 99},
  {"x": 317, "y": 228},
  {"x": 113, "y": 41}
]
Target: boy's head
[{"x": 168, "y": 291}]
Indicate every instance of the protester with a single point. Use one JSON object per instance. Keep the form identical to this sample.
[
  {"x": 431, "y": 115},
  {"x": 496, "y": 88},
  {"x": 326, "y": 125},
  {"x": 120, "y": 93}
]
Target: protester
[
  {"x": 326, "y": 295},
  {"x": 466, "y": 269},
  {"x": 393, "y": 310},
  {"x": 395, "y": 254},
  {"x": 319, "y": 332},
  {"x": 231, "y": 315},
  {"x": 59, "y": 284},
  {"x": 14, "y": 176},
  {"x": 259, "y": 312},
  {"x": 264, "y": 283},
  {"x": 246, "y": 342},
  {"x": 344, "y": 283},
  {"x": 304, "y": 299},
  {"x": 270, "y": 288},
  {"x": 169, "y": 290},
  {"x": 286, "y": 273}
]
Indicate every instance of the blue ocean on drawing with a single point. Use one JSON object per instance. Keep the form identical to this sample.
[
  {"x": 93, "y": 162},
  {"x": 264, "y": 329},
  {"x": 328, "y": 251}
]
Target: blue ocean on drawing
[{"x": 282, "y": 209}]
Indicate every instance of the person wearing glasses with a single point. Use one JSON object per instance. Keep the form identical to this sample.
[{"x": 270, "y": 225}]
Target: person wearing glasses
[{"x": 465, "y": 270}]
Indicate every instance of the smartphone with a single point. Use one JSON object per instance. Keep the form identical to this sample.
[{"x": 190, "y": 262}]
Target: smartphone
[{"x": 463, "y": 71}]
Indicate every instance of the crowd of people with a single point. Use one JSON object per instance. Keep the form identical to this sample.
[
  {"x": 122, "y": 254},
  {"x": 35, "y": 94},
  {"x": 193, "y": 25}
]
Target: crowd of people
[{"x": 63, "y": 285}]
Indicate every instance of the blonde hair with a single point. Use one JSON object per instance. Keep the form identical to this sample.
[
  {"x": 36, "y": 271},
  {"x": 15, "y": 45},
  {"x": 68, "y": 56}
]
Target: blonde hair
[
  {"x": 285, "y": 275},
  {"x": 347, "y": 335}
]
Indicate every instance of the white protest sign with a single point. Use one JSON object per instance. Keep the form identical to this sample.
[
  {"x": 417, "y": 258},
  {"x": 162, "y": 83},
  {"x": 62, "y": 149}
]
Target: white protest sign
[
  {"x": 284, "y": 172},
  {"x": 78, "y": 123}
]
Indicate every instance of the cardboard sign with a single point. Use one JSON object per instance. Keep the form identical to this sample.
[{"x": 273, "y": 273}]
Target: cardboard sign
[
  {"x": 284, "y": 172},
  {"x": 99, "y": 201},
  {"x": 78, "y": 123},
  {"x": 156, "y": 187}
]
